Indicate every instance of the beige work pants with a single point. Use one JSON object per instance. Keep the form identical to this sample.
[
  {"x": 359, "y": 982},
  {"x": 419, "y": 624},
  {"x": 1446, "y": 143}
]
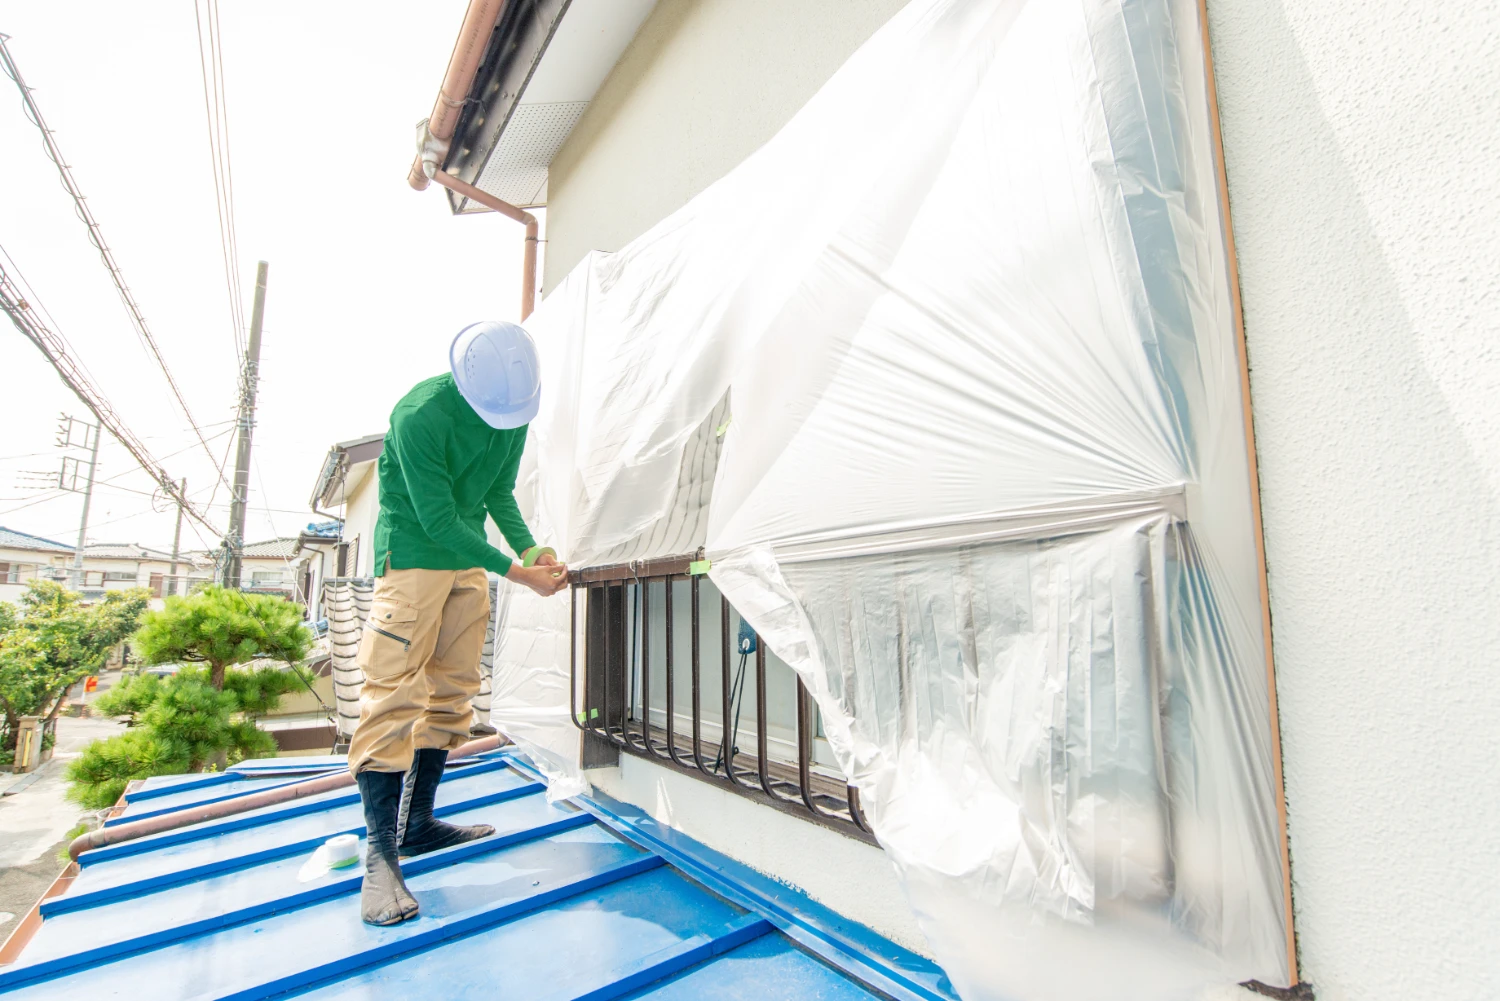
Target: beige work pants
[{"x": 420, "y": 655}]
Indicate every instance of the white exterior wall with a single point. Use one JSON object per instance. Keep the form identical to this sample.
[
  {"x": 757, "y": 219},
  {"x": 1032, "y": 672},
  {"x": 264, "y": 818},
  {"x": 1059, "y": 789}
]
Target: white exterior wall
[
  {"x": 361, "y": 509},
  {"x": 32, "y": 560},
  {"x": 139, "y": 570},
  {"x": 1361, "y": 141},
  {"x": 703, "y": 85}
]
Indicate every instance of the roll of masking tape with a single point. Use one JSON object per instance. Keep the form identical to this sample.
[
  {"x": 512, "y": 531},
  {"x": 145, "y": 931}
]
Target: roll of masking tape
[
  {"x": 341, "y": 851},
  {"x": 537, "y": 552}
]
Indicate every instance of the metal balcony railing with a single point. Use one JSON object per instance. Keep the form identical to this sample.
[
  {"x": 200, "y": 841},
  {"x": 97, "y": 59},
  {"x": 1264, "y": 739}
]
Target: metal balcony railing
[{"x": 614, "y": 656}]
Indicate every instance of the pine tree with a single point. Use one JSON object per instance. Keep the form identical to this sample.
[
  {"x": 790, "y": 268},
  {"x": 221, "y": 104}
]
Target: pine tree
[
  {"x": 204, "y": 715},
  {"x": 219, "y": 627}
]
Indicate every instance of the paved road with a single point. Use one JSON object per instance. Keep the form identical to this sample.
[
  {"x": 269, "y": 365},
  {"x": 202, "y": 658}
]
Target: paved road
[{"x": 34, "y": 820}]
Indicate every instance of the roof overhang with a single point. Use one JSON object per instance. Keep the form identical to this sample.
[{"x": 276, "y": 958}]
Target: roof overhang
[
  {"x": 344, "y": 468},
  {"x": 545, "y": 62}
]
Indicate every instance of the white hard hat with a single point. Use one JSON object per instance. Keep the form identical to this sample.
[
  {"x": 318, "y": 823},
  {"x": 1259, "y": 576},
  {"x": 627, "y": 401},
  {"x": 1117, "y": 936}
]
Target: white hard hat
[{"x": 495, "y": 368}]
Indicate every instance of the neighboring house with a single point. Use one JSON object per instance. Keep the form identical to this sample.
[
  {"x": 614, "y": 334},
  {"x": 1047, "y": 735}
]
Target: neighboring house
[
  {"x": 1356, "y": 205},
  {"x": 116, "y": 566},
  {"x": 269, "y": 568},
  {"x": 107, "y": 566},
  {"x": 317, "y": 553},
  {"x": 24, "y": 558},
  {"x": 348, "y": 484}
]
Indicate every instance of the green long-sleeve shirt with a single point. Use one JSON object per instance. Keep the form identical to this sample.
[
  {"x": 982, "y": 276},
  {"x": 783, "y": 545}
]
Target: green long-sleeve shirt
[{"x": 443, "y": 467}]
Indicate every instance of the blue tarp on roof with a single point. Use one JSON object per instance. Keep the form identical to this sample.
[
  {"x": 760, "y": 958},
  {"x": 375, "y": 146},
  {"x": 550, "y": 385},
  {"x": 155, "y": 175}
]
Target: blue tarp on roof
[{"x": 581, "y": 899}]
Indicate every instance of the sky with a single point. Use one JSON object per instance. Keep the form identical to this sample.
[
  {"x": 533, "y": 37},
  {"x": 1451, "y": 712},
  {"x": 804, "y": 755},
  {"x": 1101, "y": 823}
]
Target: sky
[{"x": 369, "y": 280}]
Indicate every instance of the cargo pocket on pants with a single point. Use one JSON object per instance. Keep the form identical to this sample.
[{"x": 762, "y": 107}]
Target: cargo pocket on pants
[{"x": 388, "y": 638}]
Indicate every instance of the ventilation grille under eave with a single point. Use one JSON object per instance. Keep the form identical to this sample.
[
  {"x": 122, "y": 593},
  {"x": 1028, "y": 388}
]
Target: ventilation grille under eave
[{"x": 517, "y": 170}]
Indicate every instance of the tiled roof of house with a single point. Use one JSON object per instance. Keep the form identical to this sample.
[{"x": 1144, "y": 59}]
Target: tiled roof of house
[
  {"x": 279, "y": 548},
  {"x": 11, "y": 539},
  {"x": 583, "y": 898},
  {"x": 123, "y": 551}
]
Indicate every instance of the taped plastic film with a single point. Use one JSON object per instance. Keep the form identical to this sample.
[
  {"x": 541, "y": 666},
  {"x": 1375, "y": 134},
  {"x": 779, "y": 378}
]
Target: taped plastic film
[{"x": 985, "y": 486}]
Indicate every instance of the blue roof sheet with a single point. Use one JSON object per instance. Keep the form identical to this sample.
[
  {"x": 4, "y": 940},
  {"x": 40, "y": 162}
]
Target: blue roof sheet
[{"x": 585, "y": 898}]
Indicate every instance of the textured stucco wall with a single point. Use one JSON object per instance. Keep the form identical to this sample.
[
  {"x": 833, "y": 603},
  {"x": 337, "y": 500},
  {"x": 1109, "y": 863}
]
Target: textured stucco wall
[
  {"x": 704, "y": 83},
  {"x": 1362, "y": 143}
]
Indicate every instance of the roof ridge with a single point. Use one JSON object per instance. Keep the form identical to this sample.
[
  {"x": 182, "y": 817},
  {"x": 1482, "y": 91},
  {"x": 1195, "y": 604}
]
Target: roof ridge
[{"x": 37, "y": 538}]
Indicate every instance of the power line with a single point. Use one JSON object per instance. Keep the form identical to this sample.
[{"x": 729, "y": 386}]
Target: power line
[
  {"x": 96, "y": 237},
  {"x": 55, "y": 348},
  {"x": 216, "y": 115}
]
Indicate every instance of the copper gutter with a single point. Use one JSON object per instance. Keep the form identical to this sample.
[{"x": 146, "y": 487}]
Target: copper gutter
[
  {"x": 20, "y": 936},
  {"x": 468, "y": 51},
  {"x": 528, "y": 261},
  {"x": 228, "y": 808}
]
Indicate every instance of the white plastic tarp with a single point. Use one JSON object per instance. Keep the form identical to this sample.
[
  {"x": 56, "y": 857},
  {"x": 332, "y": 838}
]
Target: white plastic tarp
[{"x": 984, "y": 486}]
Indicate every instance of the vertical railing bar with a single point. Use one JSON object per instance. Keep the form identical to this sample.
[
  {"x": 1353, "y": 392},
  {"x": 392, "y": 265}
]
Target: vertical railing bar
[
  {"x": 697, "y": 676},
  {"x": 726, "y": 732},
  {"x": 645, "y": 600},
  {"x": 804, "y": 747},
  {"x": 573, "y": 655},
  {"x": 591, "y": 694},
  {"x": 671, "y": 679},
  {"x": 628, "y": 676},
  {"x": 761, "y": 749},
  {"x": 855, "y": 814},
  {"x": 609, "y": 653}
]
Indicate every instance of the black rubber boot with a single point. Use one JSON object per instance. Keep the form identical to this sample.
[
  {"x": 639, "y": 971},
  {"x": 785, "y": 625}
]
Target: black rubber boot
[
  {"x": 421, "y": 831},
  {"x": 383, "y": 899}
]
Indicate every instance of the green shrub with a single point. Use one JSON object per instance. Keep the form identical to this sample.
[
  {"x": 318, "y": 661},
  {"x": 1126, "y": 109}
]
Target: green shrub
[
  {"x": 52, "y": 642},
  {"x": 179, "y": 724}
]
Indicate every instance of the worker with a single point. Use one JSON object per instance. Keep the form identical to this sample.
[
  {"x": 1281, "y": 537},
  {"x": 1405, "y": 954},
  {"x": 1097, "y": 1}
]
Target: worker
[{"x": 451, "y": 455}]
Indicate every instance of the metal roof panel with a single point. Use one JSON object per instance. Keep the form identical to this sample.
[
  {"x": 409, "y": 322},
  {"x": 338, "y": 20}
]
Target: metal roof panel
[{"x": 581, "y": 898}]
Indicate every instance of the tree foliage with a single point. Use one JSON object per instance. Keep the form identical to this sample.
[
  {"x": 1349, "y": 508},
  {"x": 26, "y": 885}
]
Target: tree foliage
[
  {"x": 179, "y": 724},
  {"x": 220, "y": 627},
  {"x": 54, "y": 641}
]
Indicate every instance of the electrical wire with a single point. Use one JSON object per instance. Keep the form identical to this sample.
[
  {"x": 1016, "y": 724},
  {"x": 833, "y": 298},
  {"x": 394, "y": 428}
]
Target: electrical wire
[
  {"x": 31, "y": 503},
  {"x": 55, "y": 348},
  {"x": 216, "y": 115},
  {"x": 96, "y": 237}
]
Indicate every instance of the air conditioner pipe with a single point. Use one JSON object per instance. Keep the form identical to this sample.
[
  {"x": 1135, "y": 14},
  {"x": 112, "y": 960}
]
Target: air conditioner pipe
[{"x": 240, "y": 804}]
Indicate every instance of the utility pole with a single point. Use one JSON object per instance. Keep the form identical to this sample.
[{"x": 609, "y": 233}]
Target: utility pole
[
  {"x": 235, "y": 540},
  {"x": 176, "y": 543},
  {"x": 83, "y": 521}
]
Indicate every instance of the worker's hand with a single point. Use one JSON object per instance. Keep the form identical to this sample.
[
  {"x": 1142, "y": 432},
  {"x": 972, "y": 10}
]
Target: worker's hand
[
  {"x": 546, "y": 560},
  {"x": 544, "y": 580}
]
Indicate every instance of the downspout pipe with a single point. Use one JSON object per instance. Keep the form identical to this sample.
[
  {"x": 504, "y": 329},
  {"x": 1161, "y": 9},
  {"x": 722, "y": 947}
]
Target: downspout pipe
[
  {"x": 468, "y": 52},
  {"x": 528, "y": 260},
  {"x": 240, "y": 804}
]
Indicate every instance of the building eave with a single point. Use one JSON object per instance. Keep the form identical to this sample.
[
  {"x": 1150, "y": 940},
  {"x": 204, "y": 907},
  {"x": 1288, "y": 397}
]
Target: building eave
[{"x": 544, "y": 64}]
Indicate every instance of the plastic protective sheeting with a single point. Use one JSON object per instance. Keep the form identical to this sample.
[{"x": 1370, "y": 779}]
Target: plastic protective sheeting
[{"x": 984, "y": 486}]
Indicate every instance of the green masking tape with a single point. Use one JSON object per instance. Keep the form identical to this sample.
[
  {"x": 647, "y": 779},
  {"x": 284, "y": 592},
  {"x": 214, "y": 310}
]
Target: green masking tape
[
  {"x": 535, "y": 553},
  {"x": 698, "y": 568}
]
